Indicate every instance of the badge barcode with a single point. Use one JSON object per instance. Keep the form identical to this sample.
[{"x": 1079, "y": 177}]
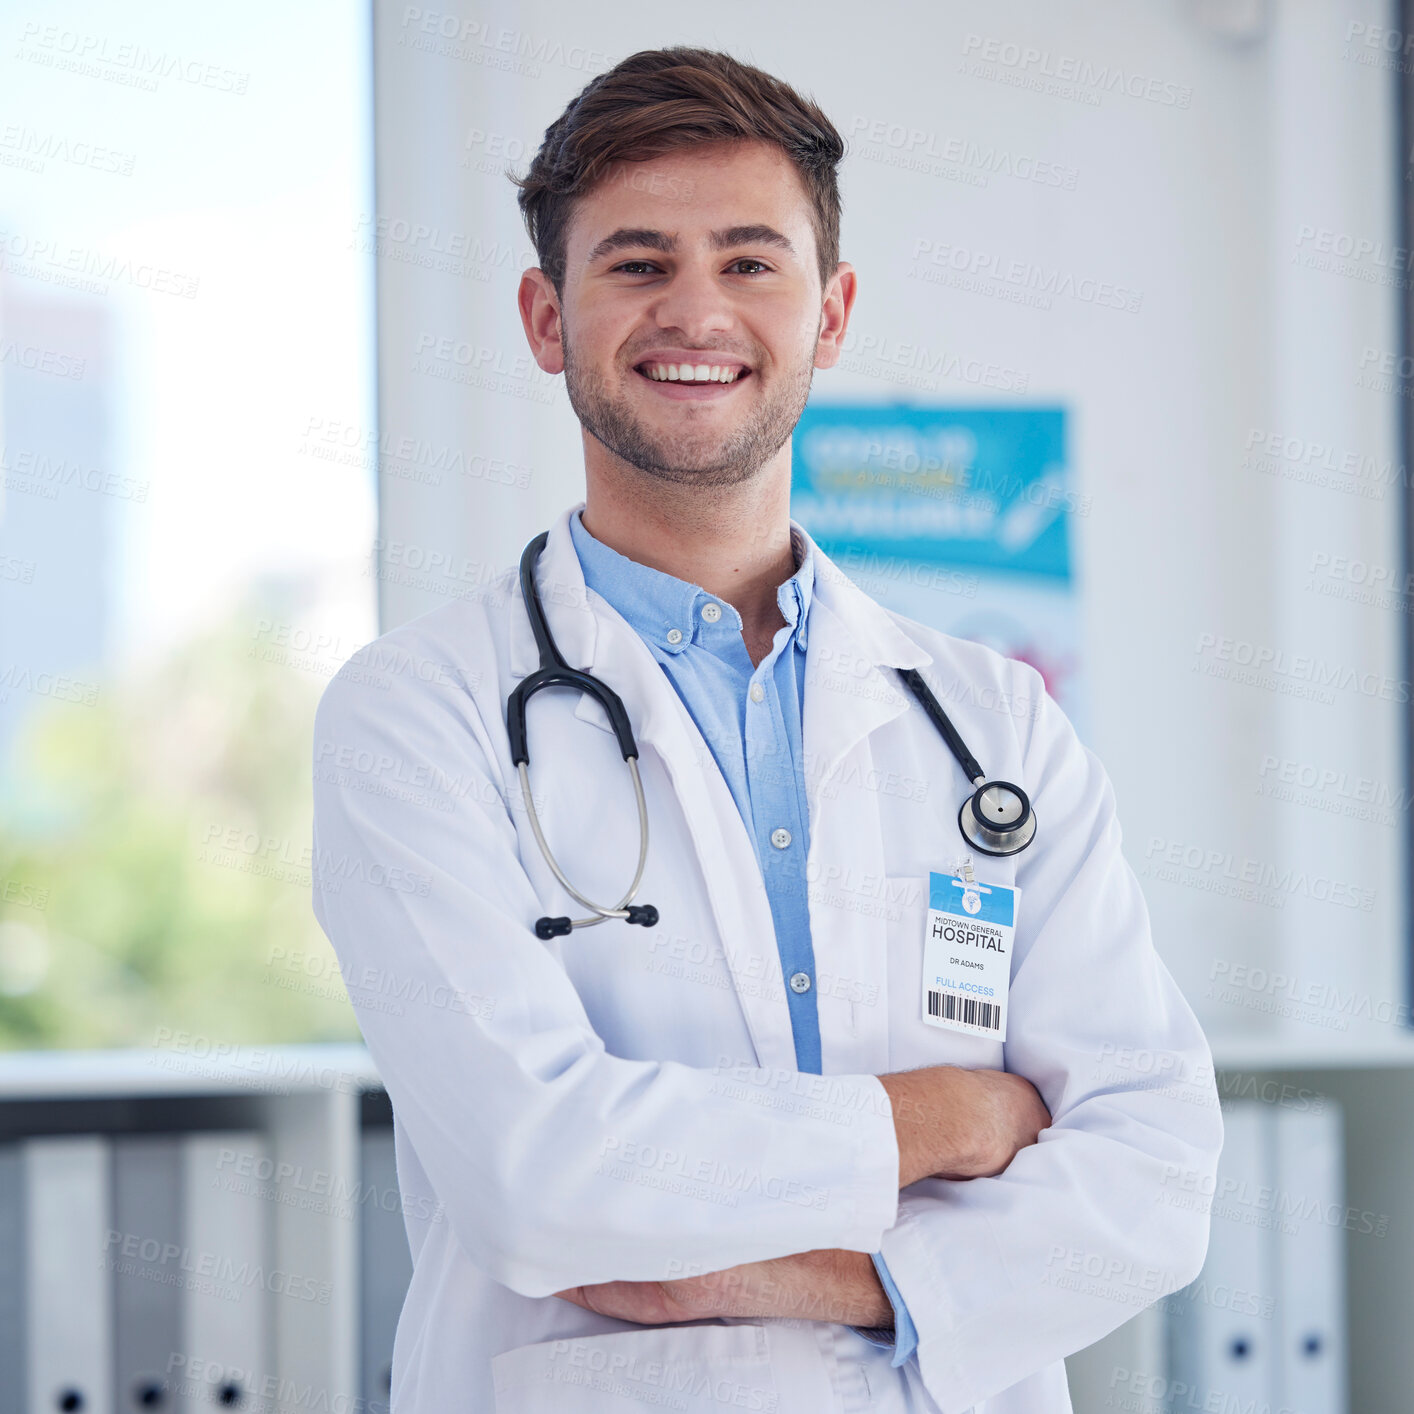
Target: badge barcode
[{"x": 967, "y": 1010}]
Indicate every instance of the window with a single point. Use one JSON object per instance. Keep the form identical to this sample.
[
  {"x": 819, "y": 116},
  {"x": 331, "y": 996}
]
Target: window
[{"x": 186, "y": 350}]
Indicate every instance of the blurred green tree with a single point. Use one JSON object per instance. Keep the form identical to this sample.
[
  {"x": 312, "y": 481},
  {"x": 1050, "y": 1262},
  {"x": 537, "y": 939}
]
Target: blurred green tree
[{"x": 157, "y": 872}]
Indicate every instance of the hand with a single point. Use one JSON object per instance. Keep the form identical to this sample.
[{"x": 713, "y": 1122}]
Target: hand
[
  {"x": 828, "y": 1284},
  {"x": 951, "y": 1122},
  {"x": 1005, "y": 1115}
]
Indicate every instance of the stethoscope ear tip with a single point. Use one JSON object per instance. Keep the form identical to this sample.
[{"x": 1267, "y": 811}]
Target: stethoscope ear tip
[{"x": 642, "y": 913}]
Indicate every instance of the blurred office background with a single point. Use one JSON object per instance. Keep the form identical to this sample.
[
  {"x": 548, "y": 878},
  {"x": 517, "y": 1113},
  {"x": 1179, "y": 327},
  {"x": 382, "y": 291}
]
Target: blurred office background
[{"x": 264, "y": 393}]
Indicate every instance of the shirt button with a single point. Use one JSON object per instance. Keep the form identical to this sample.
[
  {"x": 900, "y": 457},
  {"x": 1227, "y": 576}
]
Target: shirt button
[
  {"x": 674, "y": 635},
  {"x": 800, "y": 982},
  {"x": 780, "y": 838},
  {"x": 758, "y": 693},
  {"x": 711, "y": 612}
]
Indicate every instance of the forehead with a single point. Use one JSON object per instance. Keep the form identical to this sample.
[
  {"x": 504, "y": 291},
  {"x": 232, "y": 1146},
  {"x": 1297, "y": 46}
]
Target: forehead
[{"x": 693, "y": 191}]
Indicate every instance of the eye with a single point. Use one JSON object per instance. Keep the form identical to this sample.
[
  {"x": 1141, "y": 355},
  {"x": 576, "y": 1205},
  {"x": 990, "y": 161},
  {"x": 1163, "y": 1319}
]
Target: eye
[{"x": 635, "y": 267}]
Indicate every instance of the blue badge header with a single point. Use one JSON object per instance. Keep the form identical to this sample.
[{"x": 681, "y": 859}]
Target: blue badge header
[{"x": 998, "y": 903}]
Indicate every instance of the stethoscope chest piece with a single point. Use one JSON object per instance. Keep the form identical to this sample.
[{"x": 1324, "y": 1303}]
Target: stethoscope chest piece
[{"x": 997, "y": 818}]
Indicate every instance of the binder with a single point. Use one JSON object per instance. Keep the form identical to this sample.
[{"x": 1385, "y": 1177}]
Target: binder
[
  {"x": 385, "y": 1263},
  {"x": 71, "y": 1254},
  {"x": 1309, "y": 1238},
  {"x": 1222, "y": 1328},
  {"x": 227, "y": 1227},
  {"x": 147, "y": 1291},
  {"x": 13, "y": 1357}
]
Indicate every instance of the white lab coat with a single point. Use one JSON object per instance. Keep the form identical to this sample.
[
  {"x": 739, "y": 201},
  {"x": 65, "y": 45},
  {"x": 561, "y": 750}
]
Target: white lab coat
[{"x": 623, "y": 1103}]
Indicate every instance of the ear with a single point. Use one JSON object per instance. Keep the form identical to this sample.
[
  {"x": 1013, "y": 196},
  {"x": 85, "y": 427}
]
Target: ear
[
  {"x": 540, "y": 317},
  {"x": 834, "y": 315}
]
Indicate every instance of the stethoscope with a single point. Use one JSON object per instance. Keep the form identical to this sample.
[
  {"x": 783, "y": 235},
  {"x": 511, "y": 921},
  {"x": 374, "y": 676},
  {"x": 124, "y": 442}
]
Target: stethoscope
[{"x": 996, "y": 819}]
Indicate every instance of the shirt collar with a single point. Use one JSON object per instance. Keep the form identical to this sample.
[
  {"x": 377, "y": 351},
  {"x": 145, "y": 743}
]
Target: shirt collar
[{"x": 658, "y": 606}]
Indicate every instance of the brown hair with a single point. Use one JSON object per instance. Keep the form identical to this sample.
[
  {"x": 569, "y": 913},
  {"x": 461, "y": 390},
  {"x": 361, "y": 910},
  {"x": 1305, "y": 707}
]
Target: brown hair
[{"x": 662, "y": 100}]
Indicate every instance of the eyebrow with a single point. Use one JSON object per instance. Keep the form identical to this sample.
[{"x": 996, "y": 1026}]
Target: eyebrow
[{"x": 638, "y": 238}]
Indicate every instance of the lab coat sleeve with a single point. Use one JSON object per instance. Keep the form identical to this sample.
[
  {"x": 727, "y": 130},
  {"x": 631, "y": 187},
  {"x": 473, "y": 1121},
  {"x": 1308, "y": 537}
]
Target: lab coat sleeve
[
  {"x": 557, "y": 1163},
  {"x": 1004, "y": 1275},
  {"x": 902, "y": 1339}
]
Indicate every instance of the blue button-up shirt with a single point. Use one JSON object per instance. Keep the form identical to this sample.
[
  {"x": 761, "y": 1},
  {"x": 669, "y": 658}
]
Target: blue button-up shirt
[{"x": 751, "y": 718}]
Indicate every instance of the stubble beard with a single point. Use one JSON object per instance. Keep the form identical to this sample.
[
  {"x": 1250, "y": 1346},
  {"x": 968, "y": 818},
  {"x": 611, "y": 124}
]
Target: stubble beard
[{"x": 687, "y": 459}]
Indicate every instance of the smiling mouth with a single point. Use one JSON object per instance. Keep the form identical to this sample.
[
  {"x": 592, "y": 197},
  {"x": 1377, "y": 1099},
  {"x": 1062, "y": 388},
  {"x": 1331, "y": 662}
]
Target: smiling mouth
[{"x": 686, "y": 375}]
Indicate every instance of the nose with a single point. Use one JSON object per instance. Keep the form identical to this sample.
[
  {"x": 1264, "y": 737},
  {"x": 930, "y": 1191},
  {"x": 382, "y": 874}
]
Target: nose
[{"x": 694, "y": 302}]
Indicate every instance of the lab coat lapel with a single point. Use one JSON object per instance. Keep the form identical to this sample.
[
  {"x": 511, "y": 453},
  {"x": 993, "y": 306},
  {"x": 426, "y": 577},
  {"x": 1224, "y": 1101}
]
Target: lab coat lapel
[
  {"x": 594, "y": 637},
  {"x": 848, "y": 696}
]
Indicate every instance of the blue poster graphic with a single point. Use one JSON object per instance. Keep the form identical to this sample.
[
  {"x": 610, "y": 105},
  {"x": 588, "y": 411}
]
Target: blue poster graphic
[
  {"x": 980, "y": 486},
  {"x": 961, "y": 518}
]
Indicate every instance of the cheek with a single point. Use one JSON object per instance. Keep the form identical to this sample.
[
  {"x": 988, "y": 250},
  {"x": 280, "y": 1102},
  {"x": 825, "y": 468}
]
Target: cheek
[
  {"x": 805, "y": 333},
  {"x": 598, "y": 330}
]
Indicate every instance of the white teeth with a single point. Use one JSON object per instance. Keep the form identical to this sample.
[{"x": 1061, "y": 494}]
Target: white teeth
[{"x": 691, "y": 373}]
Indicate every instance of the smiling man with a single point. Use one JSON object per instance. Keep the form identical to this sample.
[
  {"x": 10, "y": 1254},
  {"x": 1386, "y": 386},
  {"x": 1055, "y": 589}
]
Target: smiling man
[
  {"x": 835, "y": 1122},
  {"x": 688, "y": 360}
]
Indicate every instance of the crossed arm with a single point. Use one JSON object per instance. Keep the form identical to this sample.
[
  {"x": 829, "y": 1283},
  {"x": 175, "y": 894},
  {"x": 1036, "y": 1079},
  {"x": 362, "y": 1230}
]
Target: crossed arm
[
  {"x": 826, "y": 1285},
  {"x": 949, "y": 1122}
]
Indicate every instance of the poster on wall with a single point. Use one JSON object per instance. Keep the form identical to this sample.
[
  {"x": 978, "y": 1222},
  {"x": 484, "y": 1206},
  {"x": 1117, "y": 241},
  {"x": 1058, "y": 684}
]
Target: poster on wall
[{"x": 961, "y": 518}]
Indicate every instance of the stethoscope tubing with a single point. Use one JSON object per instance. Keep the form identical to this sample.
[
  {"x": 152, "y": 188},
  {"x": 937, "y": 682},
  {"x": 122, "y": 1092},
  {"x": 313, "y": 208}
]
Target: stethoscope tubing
[
  {"x": 620, "y": 909},
  {"x": 555, "y": 672}
]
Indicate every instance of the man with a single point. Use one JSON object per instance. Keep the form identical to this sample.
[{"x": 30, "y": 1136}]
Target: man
[{"x": 732, "y": 1158}]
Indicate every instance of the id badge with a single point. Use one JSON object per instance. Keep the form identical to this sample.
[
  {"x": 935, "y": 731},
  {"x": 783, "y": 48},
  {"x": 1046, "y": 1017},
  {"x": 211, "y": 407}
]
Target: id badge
[{"x": 967, "y": 946}]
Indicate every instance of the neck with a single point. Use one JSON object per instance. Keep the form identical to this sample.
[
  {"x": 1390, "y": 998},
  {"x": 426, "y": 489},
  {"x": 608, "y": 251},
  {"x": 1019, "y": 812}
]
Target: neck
[{"x": 734, "y": 541}]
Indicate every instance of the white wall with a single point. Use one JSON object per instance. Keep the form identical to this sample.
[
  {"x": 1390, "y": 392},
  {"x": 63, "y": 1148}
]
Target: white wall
[{"x": 1197, "y": 205}]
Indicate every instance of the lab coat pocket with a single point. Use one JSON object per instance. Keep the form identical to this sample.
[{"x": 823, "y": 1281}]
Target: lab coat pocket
[
  {"x": 696, "y": 1369},
  {"x": 914, "y": 1042}
]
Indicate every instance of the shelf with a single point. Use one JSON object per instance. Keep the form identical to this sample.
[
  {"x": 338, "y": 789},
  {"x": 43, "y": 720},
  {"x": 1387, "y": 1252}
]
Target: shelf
[
  {"x": 1393, "y": 1050},
  {"x": 225, "y": 1069}
]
